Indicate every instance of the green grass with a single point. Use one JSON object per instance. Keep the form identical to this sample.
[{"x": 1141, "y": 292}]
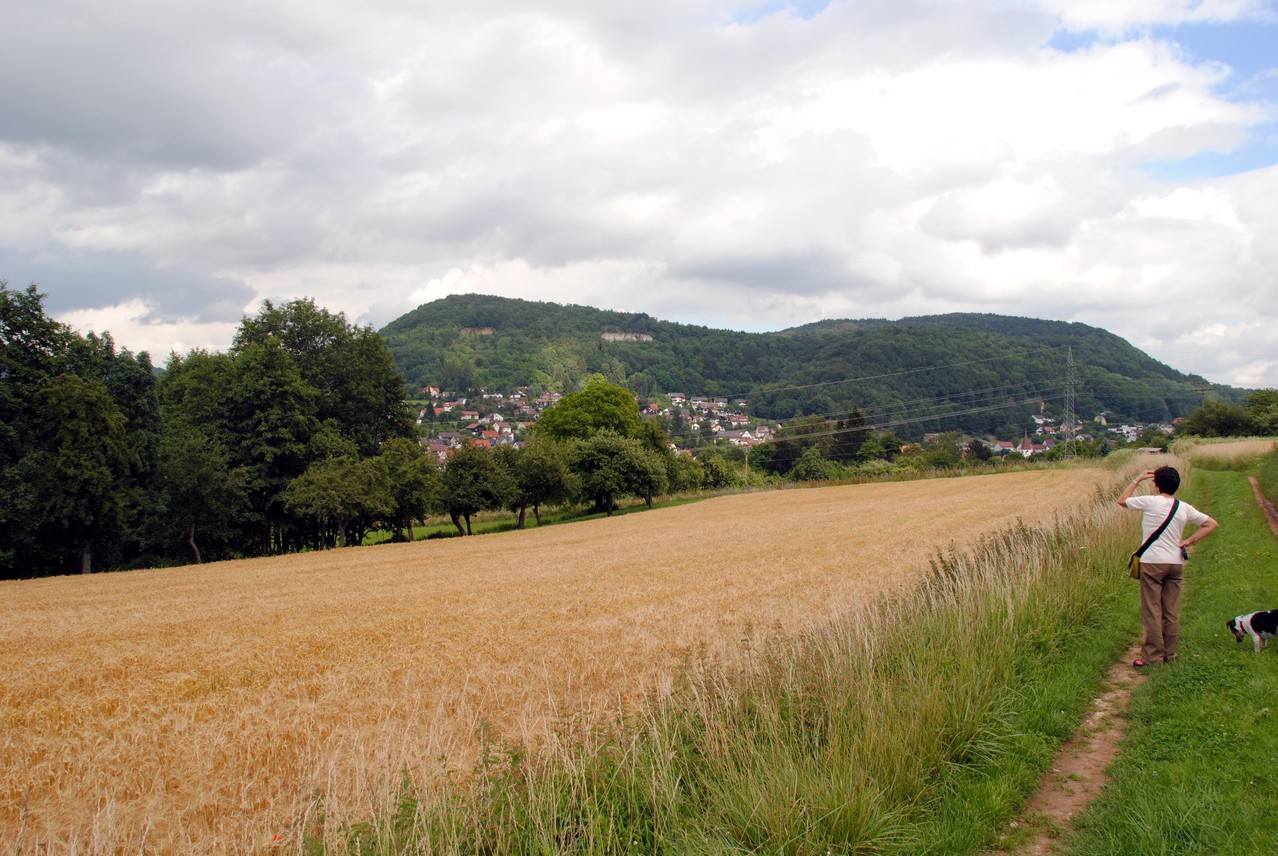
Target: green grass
[{"x": 1198, "y": 773}]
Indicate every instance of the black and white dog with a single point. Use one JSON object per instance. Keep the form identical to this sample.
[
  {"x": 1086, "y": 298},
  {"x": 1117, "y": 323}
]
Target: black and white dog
[{"x": 1260, "y": 626}]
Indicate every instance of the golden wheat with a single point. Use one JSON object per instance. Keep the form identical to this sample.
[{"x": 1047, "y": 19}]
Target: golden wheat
[
  {"x": 215, "y": 708},
  {"x": 1230, "y": 451}
]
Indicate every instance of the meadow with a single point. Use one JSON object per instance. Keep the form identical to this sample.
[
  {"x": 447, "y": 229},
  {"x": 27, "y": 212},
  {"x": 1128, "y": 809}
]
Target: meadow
[{"x": 239, "y": 706}]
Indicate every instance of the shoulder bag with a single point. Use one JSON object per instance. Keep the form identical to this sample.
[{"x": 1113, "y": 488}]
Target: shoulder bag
[{"x": 1133, "y": 563}]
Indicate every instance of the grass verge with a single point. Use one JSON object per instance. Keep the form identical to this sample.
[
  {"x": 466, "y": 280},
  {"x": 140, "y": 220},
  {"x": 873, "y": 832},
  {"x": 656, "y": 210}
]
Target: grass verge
[
  {"x": 918, "y": 725},
  {"x": 1199, "y": 768}
]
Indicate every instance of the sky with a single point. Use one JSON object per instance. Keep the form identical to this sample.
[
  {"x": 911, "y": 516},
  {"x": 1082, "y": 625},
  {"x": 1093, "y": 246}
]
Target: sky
[{"x": 167, "y": 165}]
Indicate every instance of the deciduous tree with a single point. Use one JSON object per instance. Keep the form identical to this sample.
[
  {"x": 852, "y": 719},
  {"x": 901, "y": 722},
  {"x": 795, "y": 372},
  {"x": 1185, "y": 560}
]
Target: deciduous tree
[
  {"x": 541, "y": 475},
  {"x": 339, "y": 491},
  {"x": 474, "y": 481},
  {"x": 201, "y": 490},
  {"x": 609, "y": 466},
  {"x": 414, "y": 483},
  {"x": 349, "y": 367},
  {"x": 601, "y": 406},
  {"x": 84, "y": 471}
]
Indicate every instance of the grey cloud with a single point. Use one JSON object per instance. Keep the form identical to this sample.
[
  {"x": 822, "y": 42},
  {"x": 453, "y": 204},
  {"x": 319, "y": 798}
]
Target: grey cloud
[
  {"x": 78, "y": 280},
  {"x": 182, "y": 86},
  {"x": 796, "y": 273}
]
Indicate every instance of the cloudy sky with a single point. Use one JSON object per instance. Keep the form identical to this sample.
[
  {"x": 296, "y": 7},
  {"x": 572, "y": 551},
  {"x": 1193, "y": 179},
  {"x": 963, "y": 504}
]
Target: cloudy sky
[{"x": 165, "y": 165}]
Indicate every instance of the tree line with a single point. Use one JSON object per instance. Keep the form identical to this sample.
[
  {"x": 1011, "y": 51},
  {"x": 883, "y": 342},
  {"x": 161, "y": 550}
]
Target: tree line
[
  {"x": 108, "y": 463},
  {"x": 298, "y": 437},
  {"x": 1257, "y": 416}
]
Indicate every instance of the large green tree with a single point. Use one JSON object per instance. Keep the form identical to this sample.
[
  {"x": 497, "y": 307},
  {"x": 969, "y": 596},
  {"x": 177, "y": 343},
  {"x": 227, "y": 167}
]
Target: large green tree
[
  {"x": 601, "y": 406},
  {"x": 1219, "y": 419},
  {"x": 201, "y": 491},
  {"x": 849, "y": 435},
  {"x": 541, "y": 475},
  {"x": 84, "y": 470},
  {"x": 611, "y": 466},
  {"x": 474, "y": 481},
  {"x": 1262, "y": 407},
  {"x": 414, "y": 484},
  {"x": 349, "y": 367},
  {"x": 273, "y": 410},
  {"x": 339, "y": 491},
  {"x": 33, "y": 350}
]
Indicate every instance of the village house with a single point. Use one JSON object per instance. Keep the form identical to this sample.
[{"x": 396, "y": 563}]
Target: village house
[
  {"x": 437, "y": 449},
  {"x": 548, "y": 399},
  {"x": 1028, "y": 448}
]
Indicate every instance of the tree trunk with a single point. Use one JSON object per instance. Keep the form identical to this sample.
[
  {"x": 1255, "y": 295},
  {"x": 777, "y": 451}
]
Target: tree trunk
[
  {"x": 457, "y": 522},
  {"x": 520, "y": 524},
  {"x": 86, "y": 559},
  {"x": 190, "y": 539},
  {"x": 468, "y": 532},
  {"x": 341, "y": 533},
  {"x": 537, "y": 514},
  {"x": 408, "y": 527}
]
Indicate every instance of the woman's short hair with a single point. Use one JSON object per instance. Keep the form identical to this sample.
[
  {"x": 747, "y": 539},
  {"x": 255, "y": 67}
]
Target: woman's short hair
[{"x": 1167, "y": 480}]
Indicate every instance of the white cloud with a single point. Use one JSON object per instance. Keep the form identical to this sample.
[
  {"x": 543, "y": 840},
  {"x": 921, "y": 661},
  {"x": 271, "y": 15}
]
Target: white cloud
[
  {"x": 673, "y": 158},
  {"x": 131, "y": 327},
  {"x": 1120, "y": 16}
]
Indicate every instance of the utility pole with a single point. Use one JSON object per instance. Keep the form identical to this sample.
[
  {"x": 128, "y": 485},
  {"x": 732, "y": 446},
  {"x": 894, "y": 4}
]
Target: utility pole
[{"x": 1068, "y": 424}]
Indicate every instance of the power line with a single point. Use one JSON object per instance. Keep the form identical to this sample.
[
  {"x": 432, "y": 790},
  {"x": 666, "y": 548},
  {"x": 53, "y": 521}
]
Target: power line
[
  {"x": 771, "y": 390},
  {"x": 929, "y": 407}
]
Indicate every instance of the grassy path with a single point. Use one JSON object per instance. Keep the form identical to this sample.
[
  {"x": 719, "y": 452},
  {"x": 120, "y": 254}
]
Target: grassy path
[{"x": 1199, "y": 771}]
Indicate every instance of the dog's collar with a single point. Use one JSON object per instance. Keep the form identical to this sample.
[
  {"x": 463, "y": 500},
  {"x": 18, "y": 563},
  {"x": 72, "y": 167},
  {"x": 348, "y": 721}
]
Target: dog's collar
[{"x": 1244, "y": 623}]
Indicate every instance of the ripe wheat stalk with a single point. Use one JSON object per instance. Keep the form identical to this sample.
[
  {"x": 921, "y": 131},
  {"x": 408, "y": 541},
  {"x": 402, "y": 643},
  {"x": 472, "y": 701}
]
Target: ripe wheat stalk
[{"x": 224, "y": 707}]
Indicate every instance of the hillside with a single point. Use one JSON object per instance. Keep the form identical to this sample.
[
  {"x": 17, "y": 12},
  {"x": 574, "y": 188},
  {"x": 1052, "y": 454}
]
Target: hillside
[{"x": 973, "y": 372}]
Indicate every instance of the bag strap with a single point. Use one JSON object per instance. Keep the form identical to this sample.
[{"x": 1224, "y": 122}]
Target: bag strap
[{"x": 1159, "y": 531}]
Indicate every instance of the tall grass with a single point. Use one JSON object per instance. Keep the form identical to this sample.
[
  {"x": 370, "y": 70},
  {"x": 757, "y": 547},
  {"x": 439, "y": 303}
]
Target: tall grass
[
  {"x": 914, "y": 725},
  {"x": 1267, "y": 475},
  {"x": 1230, "y": 454}
]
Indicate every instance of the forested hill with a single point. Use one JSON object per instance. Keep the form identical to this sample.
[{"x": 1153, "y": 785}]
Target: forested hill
[{"x": 974, "y": 372}]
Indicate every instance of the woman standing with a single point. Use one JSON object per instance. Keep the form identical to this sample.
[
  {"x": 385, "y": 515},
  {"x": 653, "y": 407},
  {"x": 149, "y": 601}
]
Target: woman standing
[{"x": 1162, "y": 566}]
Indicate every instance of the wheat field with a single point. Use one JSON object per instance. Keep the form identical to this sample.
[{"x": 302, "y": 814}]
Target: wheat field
[{"x": 214, "y": 708}]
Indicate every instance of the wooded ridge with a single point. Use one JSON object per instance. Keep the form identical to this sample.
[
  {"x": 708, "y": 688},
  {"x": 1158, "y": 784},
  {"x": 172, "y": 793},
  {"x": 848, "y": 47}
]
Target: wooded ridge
[{"x": 977, "y": 373}]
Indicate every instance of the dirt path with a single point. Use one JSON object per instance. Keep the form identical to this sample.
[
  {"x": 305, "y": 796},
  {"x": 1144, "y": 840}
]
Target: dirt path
[
  {"x": 1271, "y": 514},
  {"x": 1078, "y": 775}
]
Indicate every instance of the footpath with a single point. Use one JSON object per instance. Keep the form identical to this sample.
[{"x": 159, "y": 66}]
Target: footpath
[{"x": 1179, "y": 732}]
